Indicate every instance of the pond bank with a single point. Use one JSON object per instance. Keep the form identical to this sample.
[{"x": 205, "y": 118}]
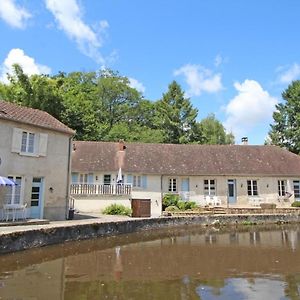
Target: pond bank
[{"x": 16, "y": 238}]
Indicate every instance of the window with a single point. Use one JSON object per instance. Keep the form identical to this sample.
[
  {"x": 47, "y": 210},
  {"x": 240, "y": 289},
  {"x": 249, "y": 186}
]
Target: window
[
  {"x": 13, "y": 195},
  {"x": 107, "y": 179},
  {"x": 296, "y": 189},
  {"x": 252, "y": 187},
  {"x": 172, "y": 185},
  {"x": 137, "y": 181},
  {"x": 281, "y": 188},
  {"x": 27, "y": 144},
  {"x": 209, "y": 187},
  {"x": 83, "y": 178}
]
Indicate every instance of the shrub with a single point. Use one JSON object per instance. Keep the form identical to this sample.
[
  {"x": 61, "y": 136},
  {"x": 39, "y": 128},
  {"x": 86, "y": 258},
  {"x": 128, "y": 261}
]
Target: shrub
[
  {"x": 186, "y": 205},
  {"x": 170, "y": 200},
  {"x": 190, "y": 205},
  {"x": 117, "y": 209},
  {"x": 296, "y": 204},
  {"x": 172, "y": 208},
  {"x": 181, "y": 205}
]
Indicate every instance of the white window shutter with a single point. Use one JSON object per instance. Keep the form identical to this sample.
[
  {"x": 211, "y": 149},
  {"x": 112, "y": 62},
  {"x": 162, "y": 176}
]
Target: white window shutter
[
  {"x": 16, "y": 140},
  {"x": 43, "y": 143}
]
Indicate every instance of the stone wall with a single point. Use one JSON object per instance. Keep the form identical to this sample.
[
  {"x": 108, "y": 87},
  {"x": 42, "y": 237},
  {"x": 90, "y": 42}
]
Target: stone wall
[{"x": 74, "y": 231}]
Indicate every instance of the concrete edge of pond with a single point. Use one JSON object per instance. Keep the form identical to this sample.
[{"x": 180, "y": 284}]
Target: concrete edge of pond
[{"x": 60, "y": 232}]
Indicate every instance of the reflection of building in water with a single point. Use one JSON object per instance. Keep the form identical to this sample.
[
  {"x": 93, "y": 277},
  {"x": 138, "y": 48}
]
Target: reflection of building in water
[
  {"x": 233, "y": 237},
  {"x": 118, "y": 267},
  {"x": 254, "y": 237},
  {"x": 210, "y": 238},
  {"x": 285, "y": 237},
  {"x": 37, "y": 281}
]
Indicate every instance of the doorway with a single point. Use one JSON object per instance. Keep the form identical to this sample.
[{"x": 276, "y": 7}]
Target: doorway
[
  {"x": 36, "y": 200},
  {"x": 231, "y": 191}
]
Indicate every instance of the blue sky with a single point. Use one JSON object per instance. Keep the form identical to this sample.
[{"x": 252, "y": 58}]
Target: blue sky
[{"x": 233, "y": 58}]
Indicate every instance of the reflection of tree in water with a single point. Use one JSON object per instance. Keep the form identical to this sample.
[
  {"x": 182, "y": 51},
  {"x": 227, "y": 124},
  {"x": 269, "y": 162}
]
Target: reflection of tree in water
[
  {"x": 292, "y": 288},
  {"x": 215, "y": 284}
]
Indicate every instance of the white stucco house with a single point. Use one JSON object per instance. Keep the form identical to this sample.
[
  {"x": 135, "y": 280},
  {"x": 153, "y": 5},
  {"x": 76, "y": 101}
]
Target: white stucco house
[
  {"x": 226, "y": 175},
  {"x": 35, "y": 152}
]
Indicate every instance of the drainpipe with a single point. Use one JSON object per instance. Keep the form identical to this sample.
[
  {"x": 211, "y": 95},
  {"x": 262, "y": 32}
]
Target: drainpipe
[
  {"x": 68, "y": 176},
  {"x": 161, "y": 190}
]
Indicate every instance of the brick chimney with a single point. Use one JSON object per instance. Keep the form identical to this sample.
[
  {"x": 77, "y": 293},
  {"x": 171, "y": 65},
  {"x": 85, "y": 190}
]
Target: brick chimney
[
  {"x": 245, "y": 140},
  {"x": 122, "y": 146}
]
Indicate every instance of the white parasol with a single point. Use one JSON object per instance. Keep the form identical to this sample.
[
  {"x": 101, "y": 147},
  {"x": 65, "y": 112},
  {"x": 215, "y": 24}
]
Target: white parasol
[{"x": 4, "y": 181}]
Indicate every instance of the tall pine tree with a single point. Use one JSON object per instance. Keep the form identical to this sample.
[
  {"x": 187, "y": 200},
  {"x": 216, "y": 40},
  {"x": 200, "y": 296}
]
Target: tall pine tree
[
  {"x": 285, "y": 131},
  {"x": 176, "y": 116}
]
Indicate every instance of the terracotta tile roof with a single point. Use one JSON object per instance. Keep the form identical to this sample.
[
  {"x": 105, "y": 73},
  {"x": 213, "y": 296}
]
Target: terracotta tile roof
[
  {"x": 36, "y": 117},
  {"x": 171, "y": 159}
]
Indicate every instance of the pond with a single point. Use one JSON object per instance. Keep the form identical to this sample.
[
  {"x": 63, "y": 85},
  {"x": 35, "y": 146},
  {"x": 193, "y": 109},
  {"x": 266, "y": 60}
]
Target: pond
[{"x": 246, "y": 262}]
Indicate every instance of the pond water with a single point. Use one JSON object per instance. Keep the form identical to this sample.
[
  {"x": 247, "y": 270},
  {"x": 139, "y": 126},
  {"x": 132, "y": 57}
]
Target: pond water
[{"x": 184, "y": 263}]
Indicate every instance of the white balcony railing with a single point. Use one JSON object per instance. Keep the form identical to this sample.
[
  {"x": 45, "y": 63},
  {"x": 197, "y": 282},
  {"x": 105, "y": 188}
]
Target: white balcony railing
[{"x": 100, "y": 189}]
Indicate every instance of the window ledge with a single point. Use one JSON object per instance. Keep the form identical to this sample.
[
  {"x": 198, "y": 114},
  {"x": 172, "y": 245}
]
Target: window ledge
[{"x": 29, "y": 154}]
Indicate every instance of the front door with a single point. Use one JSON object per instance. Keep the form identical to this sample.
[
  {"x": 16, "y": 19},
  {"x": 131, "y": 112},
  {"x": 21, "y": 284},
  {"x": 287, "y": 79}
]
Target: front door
[
  {"x": 36, "y": 201},
  {"x": 231, "y": 191}
]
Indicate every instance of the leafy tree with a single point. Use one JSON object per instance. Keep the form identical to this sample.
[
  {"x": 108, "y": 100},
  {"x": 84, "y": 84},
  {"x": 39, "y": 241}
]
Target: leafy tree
[
  {"x": 213, "y": 132},
  {"x": 36, "y": 91},
  {"x": 176, "y": 115},
  {"x": 118, "y": 100},
  {"x": 135, "y": 133},
  {"x": 103, "y": 106},
  {"x": 285, "y": 131},
  {"x": 82, "y": 111}
]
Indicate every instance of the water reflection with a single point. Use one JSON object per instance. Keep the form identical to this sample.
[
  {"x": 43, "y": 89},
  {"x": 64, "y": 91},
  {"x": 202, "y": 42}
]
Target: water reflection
[{"x": 186, "y": 263}]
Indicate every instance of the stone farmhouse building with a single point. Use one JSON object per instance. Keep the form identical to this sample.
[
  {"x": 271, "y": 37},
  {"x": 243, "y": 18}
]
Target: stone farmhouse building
[
  {"x": 35, "y": 152},
  {"x": 225, "y": 175}
]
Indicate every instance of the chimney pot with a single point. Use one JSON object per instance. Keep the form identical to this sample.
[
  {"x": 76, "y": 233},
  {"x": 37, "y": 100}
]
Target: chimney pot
[{"x": 245, "y": 140}]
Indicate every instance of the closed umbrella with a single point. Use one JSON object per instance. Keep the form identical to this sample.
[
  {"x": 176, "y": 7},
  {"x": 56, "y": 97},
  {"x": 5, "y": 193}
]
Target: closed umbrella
[
  {"x": 4, "y": 181},
  {"x": 119, "y": 177}
]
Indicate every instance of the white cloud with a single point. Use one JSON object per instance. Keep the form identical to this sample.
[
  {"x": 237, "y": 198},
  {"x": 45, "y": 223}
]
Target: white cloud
[
  {"x": 250, "y": 108},
  {"x": 13, "y": 14},
  {"x": 136, "y": 85},
  {"x": 69, "y": 18},
  {"x": 17, "y": 56},
  {"x": 289, "y": 74},
  {"x": 200, "y": 79}
]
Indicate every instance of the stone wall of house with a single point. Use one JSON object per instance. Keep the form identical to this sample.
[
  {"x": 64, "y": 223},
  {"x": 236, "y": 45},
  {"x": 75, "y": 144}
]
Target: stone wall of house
[
  {"x": 52, "y": 168},
  {"x": 267, "y": 188}
]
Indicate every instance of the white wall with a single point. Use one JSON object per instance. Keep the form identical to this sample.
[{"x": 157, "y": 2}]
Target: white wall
[
  {"x": 53, "y": 167},
  {"x": 267, "y": 191}
]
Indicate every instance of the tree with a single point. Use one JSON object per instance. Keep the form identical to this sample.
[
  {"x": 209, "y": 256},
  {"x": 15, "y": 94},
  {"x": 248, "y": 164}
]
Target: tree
[
  {"x": 118, "y": 100},
  {"x": 176, "y": 115},
  {"x": 285, "y": 131},
  {"x": 135, "y": 133},
  {"x": 83, "y": 112},
  {"x": 213, "y": 132},
  {"x": 36, "y": 91}
]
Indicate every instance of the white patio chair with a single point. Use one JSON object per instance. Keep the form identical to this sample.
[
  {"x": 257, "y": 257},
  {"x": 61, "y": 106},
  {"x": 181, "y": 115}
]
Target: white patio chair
[
  {"x": 24, "y": 211},
  {"x": 216, "y": 201},
  {"x": 208, "y": 200}
]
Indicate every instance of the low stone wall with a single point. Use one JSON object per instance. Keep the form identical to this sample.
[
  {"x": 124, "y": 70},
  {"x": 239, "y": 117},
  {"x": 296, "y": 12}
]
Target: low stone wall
[{"x": 55, "y": 234}]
